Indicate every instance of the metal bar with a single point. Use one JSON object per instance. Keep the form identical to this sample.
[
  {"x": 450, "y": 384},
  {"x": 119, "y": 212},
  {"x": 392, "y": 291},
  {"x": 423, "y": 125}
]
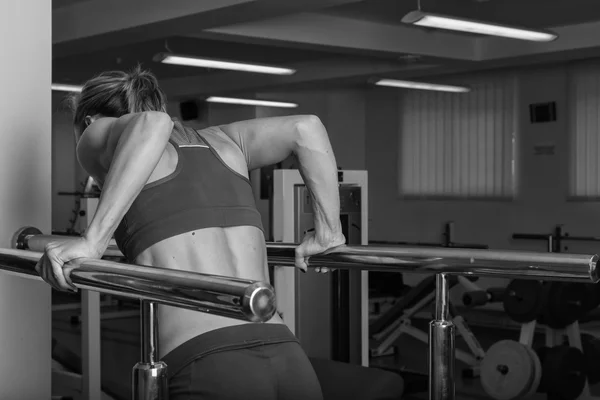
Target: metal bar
[
  {"x": 149, "y": 376},
  {"x": 478, "y": 262},
  {"x": 495, "y": 263},
  {"x": 231, "y": 297},
  {"x": 441, "y": 345}
]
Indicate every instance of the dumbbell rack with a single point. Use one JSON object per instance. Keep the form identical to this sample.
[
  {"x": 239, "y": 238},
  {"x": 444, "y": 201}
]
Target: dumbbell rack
[{"x": 555, "y": 337}]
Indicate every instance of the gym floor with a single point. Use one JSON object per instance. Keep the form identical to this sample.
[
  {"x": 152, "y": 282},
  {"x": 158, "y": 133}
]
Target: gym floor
[{"x": 120, "y": 351}]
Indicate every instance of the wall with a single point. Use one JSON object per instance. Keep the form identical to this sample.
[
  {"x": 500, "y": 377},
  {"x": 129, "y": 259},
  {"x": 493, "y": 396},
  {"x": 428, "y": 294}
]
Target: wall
[
  {"x": 25, "y": 193},
  {"x": 542, "y": 179}
]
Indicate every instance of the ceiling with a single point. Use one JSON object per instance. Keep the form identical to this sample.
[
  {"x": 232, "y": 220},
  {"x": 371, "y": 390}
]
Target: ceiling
[
  {"x": 126, "y": 57},
  {"x": 329, "y": 42},
  {"x": 530, "y": 13}
]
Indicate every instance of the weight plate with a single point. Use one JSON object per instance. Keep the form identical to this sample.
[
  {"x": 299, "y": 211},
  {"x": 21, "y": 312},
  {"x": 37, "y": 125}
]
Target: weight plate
[
  {"x": 523, "y": 300},
  {"x": 507, "y": 370},
  {"x": 564, "y": 304},
  {"x": 537, "y": 372},
  {"x": 591, "y": 351},
  {"x": 564, "y": 371}
]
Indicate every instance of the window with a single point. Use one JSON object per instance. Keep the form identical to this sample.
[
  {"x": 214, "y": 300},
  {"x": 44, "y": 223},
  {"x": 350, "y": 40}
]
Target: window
[
  {"x": 584, "y": 131},
  {"x": 459, "y": 145}
]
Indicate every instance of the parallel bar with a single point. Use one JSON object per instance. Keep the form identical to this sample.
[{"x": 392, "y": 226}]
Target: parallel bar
[
  {"x": 229, "y": 297},
  {"x": 477, "y": 262},
  {"x": 495, "y": 263}
]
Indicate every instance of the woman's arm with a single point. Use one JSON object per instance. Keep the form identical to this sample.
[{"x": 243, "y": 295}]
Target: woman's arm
[
  {"x": 268, "y": 141},
  {"x": 122, "y": 153},
  {"x": 129, "y": 151}
]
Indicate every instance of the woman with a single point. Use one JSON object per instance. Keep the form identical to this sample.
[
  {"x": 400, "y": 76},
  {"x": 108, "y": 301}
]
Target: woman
[{"x": 178, "y": 198}]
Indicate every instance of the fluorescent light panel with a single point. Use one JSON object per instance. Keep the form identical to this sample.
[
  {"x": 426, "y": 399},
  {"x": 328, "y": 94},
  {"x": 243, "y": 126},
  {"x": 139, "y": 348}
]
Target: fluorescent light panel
[
  {"x": 176, "y": 59},
  {"x": 483, "y": 28},
  {"x": 250, "y": 102},
  {"x": 61, "y": 87},
  {"x": 421, "y": 85}
]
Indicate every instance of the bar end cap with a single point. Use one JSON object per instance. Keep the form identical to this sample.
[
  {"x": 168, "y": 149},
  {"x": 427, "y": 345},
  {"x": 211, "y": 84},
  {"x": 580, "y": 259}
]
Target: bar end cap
[
  {"x": 18, "y": 239},
  {"x": 259, "y": 303}
]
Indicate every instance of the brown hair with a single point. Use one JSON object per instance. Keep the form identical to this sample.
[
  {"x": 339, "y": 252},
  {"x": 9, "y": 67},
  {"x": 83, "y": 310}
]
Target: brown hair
[{"x": 116, "y": 93}]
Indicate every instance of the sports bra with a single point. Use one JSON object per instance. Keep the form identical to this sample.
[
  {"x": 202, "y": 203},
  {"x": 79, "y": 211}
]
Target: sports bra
[{"x": 202, "y": 192}]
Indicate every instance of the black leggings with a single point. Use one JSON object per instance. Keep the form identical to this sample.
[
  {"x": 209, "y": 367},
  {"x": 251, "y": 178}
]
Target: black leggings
[{"x": 248, "y": 361}]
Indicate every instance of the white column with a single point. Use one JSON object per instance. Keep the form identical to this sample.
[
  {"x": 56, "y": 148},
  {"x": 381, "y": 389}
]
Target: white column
[{"x": 25, "y": 193}]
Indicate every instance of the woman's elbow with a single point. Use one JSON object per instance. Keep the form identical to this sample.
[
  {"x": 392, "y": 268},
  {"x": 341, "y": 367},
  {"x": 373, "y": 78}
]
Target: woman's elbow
[
  {"x": 310, "y": 125},
  {"x": 310, "y": 120}
]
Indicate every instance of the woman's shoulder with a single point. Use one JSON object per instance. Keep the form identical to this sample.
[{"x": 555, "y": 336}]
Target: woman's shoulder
[{"x": 93, "y": 144}]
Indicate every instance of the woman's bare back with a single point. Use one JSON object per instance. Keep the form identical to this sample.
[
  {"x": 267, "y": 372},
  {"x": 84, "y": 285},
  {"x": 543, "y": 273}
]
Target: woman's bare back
[{"x": 237, "y": 251}]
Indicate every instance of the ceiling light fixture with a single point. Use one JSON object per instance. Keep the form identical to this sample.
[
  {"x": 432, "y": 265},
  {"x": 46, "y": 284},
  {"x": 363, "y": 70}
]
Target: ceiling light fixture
[
  {"x": 176, "y": 59},
  {"x": 421, "y": 85},
  {"x": 62, "y": 87},
  {"x": 250, "y": 102},
  {"x": 439, "y": 21}
]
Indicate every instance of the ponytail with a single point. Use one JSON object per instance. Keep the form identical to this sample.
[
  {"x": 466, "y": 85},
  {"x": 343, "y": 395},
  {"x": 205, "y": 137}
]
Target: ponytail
[{"x": 143, "y": 92}]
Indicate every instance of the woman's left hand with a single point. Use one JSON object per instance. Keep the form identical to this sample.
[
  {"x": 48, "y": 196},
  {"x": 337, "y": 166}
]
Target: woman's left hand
[
  {"x": 314, "y": 244},
  {"x": 51, "y": 267}
]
